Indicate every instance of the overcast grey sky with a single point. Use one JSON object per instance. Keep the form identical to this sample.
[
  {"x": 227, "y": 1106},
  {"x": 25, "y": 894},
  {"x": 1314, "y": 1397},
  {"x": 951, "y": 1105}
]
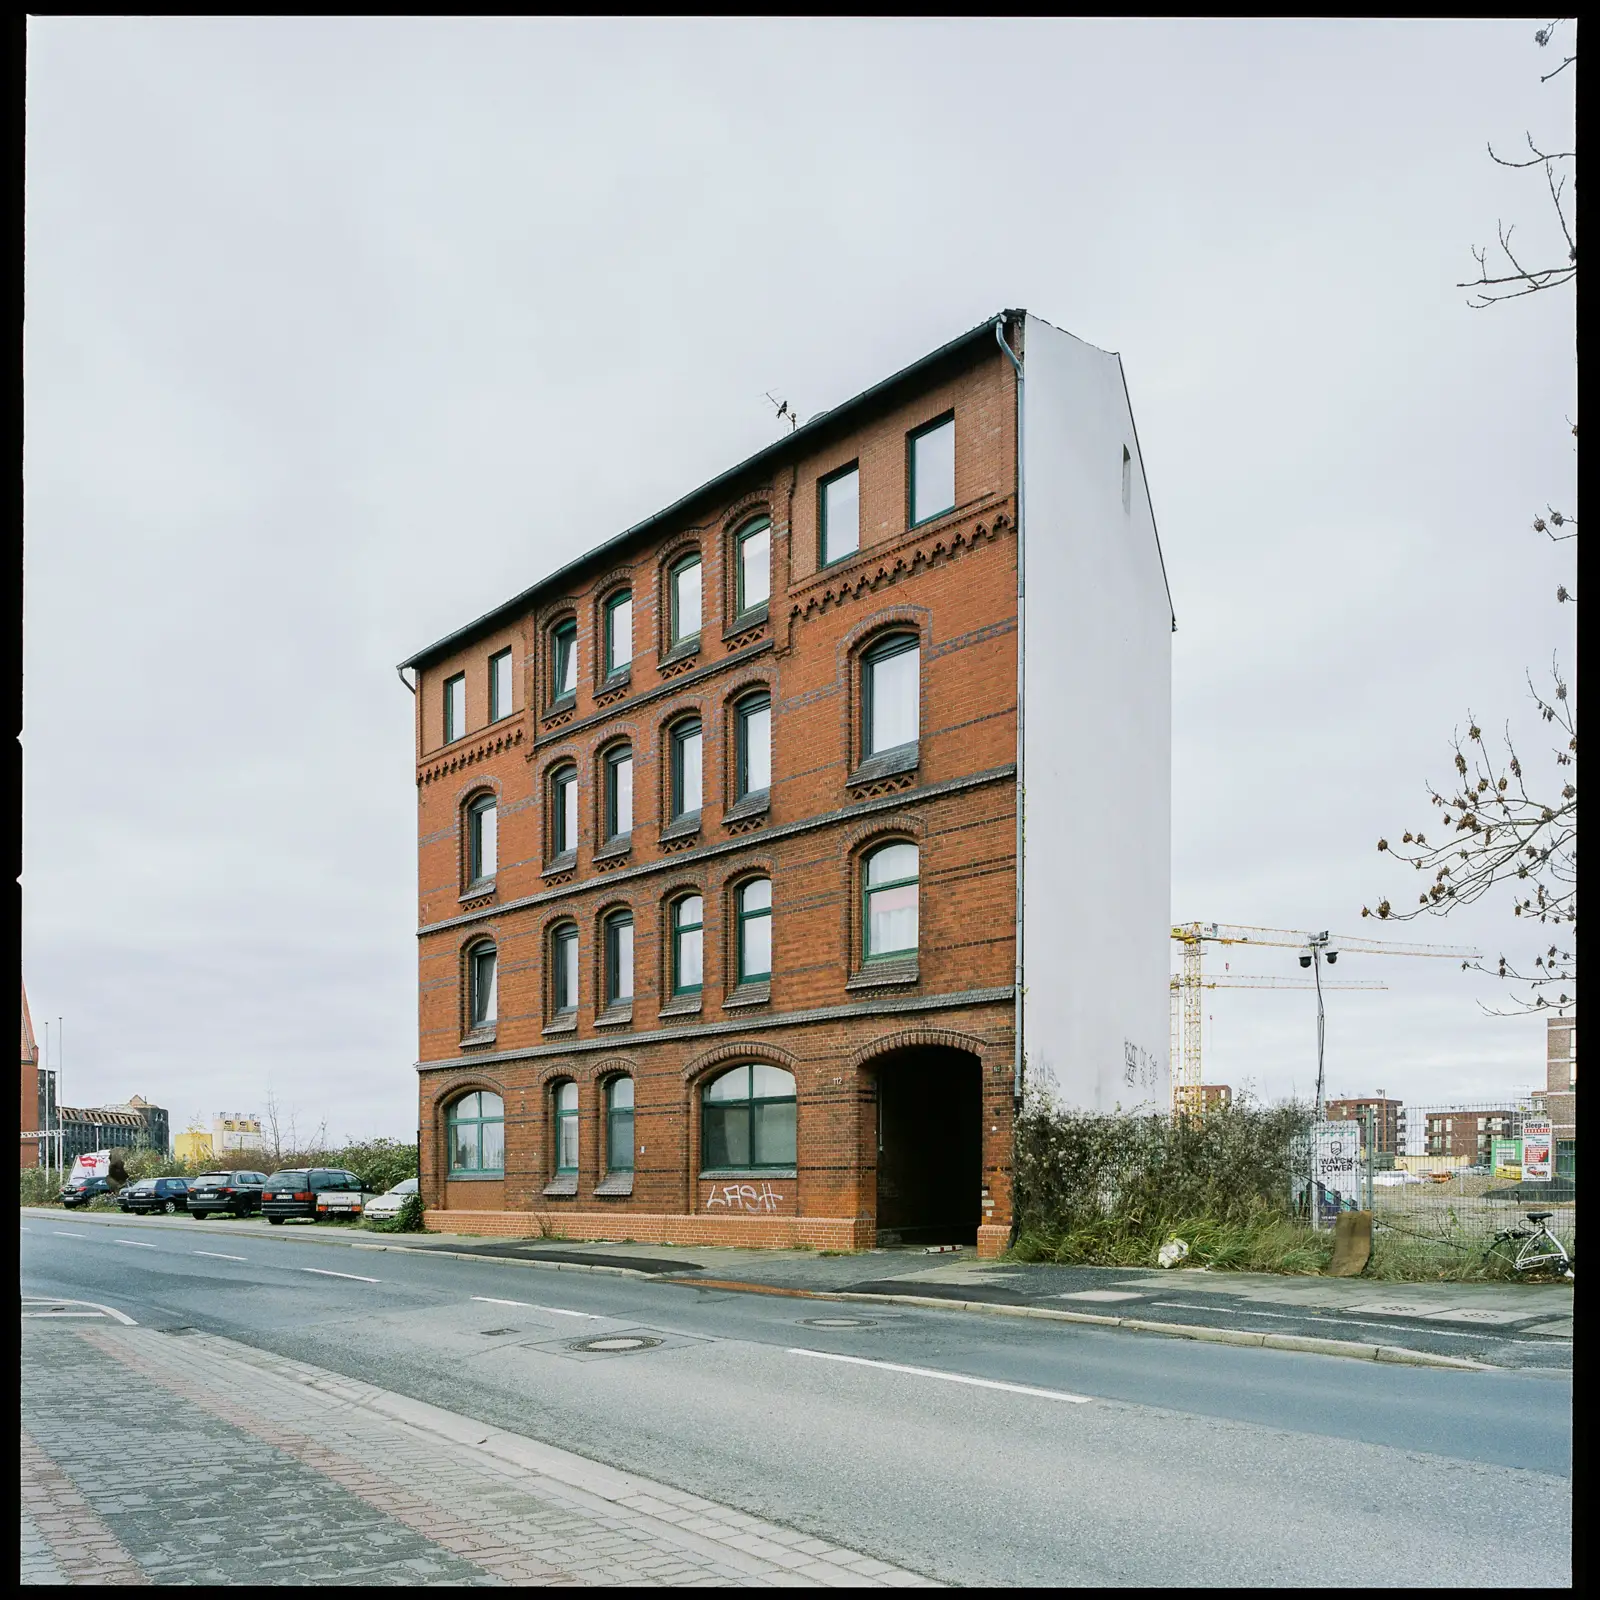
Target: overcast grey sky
[{"x": 338, "y": 332}]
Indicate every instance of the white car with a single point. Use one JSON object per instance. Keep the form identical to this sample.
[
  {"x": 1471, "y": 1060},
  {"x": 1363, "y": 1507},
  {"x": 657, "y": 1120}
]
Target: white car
[
  {"x": 385, "y": 1207},
  {"x": 1392, "y": 1180}
]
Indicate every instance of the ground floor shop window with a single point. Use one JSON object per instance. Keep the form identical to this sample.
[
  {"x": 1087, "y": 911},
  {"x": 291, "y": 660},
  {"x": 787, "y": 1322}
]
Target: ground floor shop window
[
  {"x": 748, "y": 1119},
  {"x": 477, "y": 1136}
]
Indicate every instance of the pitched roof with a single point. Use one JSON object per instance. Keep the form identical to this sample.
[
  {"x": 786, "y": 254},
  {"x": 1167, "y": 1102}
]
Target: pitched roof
[{"x": 30, "y": 1045}]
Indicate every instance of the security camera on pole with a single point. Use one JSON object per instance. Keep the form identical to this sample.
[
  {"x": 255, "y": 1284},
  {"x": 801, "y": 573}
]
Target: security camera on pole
[{"x": 1314, "y": 954}]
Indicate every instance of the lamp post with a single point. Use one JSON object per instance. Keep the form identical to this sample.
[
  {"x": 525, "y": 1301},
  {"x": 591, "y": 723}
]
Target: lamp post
[{"x": 1314, "y": 954}]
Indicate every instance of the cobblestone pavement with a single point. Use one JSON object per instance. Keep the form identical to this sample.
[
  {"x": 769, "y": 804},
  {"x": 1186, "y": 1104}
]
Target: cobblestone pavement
[{"x": 153, "y": 1457}]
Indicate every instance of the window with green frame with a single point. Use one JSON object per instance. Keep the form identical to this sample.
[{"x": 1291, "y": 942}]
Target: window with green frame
[
  {"x": 476, "y": 1136},
  {"x": 688, "y": 929},
  {"x": 931, "y": 469},
  {"x": 619, "y": 632},
  {"x": 753, "y": 542},
  {"x": 685, "y": 769},
  {"x": 619, "y": 792},
  {"x": 619, "y": 958},
  {"x": 753, "y": 757},
  {"x": 563, "y": 810},
  {"x": 482, "y": 847},
  {"x": 839, "y": 515},
  {"x": 563, "y": 660},
  {"x": 483, "y": 981},
  {"x": 748, "y": 1119},
  {"x": 619, "y": 1125},
  {"x": 564, "y": 968},
  {"x": 684, "y": 582},
  {"x": 889, "y": 901},
  {"x": 754, "y": 920},
  {"x": 564, "y": 1099},
  {"x": 500, "y": 685},
  {"x": 455, "y": 707},
  {"x": 891, "y": 692}
]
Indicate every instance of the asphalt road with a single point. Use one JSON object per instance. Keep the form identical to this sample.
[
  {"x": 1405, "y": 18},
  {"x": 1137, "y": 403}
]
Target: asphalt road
[{"x": 974, "y": 1449}]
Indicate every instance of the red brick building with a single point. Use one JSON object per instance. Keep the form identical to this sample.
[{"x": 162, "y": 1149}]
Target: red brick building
[
  {"x": 718, "y": 848},
  {"x": 30, "y": 1088},
  {"x": 1379, "y": 1118}
]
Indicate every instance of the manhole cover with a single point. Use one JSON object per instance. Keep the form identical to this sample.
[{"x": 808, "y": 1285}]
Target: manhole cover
[
  {"x": 615, "y": 1344},
  {"x": 839, "y": 1322},
  {"x": 494, "y": 1333}
]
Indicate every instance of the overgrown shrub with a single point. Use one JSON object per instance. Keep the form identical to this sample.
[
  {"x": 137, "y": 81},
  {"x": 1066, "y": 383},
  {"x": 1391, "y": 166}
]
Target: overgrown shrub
[{"x": 1112, "y": 1188}]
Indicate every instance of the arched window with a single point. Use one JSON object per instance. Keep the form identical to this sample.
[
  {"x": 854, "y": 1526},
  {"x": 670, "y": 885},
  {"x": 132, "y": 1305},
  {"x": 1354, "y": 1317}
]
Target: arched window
[
  {"x": 563, "y": 811},
  {"x": 476, "y": 1125},
  {"x": 753, "y": 576},
  {"x": 564, "y": 968},
  {"x": 890, "y": 694},
  {"x": 684, "y": 601},
  {"x": 747, "y": 1119},
  {"x": 619, "y": 1125},
  {"x": 482, "y": 982},
  {"x": 686, "y": 768},
  {"x": 754, "y": 922},
  {"x": 565, "y": 1100},
  {"x": 619, "y": 633},
  {"x": 753, "y": 734},
  {"x": 618, "y": 793},
  {"x": 619, "y": 958},
  {"x": 482, "y": 844},
  {"x": 688, "y": 927},
  {"x": 563, "y": 660},
  {"x": 889, "y": 901}
]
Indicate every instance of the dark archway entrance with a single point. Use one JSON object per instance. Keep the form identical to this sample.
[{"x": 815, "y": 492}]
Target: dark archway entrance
[{"x": 930, "y": 1146}]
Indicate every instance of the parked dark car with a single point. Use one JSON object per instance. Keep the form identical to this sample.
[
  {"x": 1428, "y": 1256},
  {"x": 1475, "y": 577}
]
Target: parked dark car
[
  {"x": 306, "y": 1191},
  {"x": 235, "y": 1192},
  {"x": 80, "y": 1191},
  {"x": 157, "y": 1194},
  {"x": 123, "y": 1193}
]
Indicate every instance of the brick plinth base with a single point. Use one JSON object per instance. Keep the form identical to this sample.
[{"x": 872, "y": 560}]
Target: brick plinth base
[
  {"x": 748, "y": 1232},
  {"x": 992, "y": 1239}
]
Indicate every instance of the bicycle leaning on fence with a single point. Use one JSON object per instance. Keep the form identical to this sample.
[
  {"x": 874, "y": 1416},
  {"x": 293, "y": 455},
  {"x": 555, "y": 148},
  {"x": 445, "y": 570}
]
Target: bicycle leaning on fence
[{"x": 1533, "y": 1249}]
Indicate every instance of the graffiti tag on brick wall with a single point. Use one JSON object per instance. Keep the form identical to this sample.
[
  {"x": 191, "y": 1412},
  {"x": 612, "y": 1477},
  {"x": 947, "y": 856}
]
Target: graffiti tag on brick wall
[
  {"x": 744, "y": 1197},
  {"x": 1139, "y": 1069}
]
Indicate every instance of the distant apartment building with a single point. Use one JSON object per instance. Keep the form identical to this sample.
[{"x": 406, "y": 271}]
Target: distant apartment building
[
  {"x": 1380, "y": 1119},
  {"x": 1215, "y": 1096},
  {"x": 1561, "y": 1090},
  {"x": 1470, "y": 1133},
  {"x": 723, "y": 895}
]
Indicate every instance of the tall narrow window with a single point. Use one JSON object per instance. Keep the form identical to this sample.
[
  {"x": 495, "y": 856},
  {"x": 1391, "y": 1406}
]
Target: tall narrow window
[
  {"x": 1127, "y": 480},
  {"x": 839, "y": 515},
  {"x": 889, "y": 910},
  {"x": 688, "y": 918},
  {"x": 685, "y": 769},
  {"x": 481, "y": 976},
  {"x": 890, "y": 694},
  {"x": 500, "y": 685},
  {"x": 619, "y": 1125},
  {"x": 755, "y": 564},
  {"x": 619, "y": 958},
  {"x": 932, "y": 467},
  {"x": 564, "y": 969},
  {"x": 619, "y": 793},
  {"x": 482, "y": 849},
  {"x": 566, "y": 1111},
  {"x": 619, "y": 632},
  {"x": 455, "y": 707},
  {"x": 755, "y": 930},
  {"x": 564, "y": 661},
  {"x": 754, "y": 755},
  {"x": 747, "y": 1119},
  {"x": 564, "y": 811},
  {"x": 686, "y": 600},
  {"x": 476, "y": 1135}
]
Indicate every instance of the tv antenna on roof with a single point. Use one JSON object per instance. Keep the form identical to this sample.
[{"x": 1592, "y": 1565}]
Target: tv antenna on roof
[{"x": 784, "y": 409}]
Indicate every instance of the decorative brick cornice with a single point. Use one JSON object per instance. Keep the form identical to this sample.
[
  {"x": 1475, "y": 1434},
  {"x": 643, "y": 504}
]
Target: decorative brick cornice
[
  {"x": 894, "y": 783},
  {"x": 506, "y": 738},
  {"x": 557, "y": 719},
  {"x": 745, "y": 636},
  {"x": 866, "y": 577},
  {"x": 610, "y": 697}
]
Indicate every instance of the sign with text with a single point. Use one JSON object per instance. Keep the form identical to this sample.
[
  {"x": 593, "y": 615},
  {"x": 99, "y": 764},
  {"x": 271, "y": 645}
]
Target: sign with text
[
  {"x": 1337, "y": 1170},
  {"x": 95, "y": 1164},
  {"x": 1536, "y": 1148},
  {"x": 1507, "y": 1158}
]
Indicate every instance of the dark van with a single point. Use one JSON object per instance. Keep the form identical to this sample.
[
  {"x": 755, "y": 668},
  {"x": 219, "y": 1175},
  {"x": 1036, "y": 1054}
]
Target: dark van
[
  {"x": 238, "y": 1193},
  {"x": 295, "y": 1192}
]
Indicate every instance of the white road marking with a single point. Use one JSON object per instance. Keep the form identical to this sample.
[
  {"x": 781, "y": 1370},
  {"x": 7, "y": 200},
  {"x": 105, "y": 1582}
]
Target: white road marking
[
  {"x": 95, "y": 1309},
  {"x": 527, "y": 1305},
  {"x": 946, "y": 1377},
  {"x": 323, "y": 1272},
  {"x": 138, "y": 1244},
  {"x": 1290, "y": 1316},
  {"x": 217, "y": 1255},
  {"x": 63, "y": 1233}
]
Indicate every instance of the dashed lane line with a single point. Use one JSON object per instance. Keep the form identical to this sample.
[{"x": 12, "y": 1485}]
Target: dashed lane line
[
  {"x": 323, "y": 1272},
  {"x": 137, "y": 1244},
  {"x": 946, "y": 1377},
  {"x": 527, "y": 1305},
  {"x": 217, "y": 1255},
  {"x": 65, "y": 1233}
]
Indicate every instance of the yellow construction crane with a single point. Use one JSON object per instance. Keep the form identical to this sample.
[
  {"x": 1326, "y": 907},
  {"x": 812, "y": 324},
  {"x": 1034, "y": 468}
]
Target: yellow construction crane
[{"x": 1314, "y": 949}]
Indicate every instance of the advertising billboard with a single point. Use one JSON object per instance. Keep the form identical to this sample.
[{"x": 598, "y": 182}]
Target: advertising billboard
[{"x": 1537, "y": 1147}]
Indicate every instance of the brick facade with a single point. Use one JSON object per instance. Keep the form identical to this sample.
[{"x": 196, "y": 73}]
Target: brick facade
[
  {"x": 868, "y": 1045},
  {"x": 1377, "y": 1115}
]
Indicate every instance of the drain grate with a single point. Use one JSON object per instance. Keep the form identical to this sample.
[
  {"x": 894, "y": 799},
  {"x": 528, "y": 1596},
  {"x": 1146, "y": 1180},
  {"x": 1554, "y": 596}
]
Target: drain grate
[
  {"x": 494, "y": 1333},
  {"x": 614, "y": 1344},
  {"x": 840, "y": 1322}
]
